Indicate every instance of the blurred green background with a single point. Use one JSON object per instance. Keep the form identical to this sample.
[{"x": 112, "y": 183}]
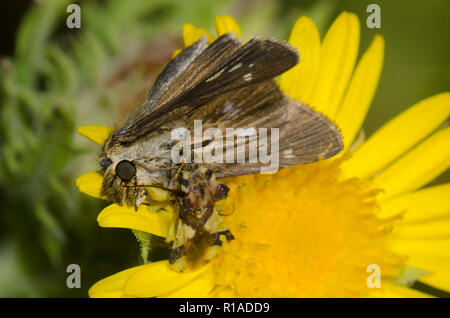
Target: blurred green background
[{"x": 53, "y": 79}]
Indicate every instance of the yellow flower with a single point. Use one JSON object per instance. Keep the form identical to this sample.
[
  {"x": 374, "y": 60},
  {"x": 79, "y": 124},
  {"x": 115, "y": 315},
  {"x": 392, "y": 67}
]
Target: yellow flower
[{"x": 323, "y": 229}]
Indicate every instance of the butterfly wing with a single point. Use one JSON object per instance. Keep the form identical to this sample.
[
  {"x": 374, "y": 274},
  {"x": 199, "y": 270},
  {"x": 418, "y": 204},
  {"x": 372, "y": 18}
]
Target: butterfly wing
[
  {"x": 304, "y": 135},
  {"x": 222, "y": 67},
  {"x": 227, "y": 84}
]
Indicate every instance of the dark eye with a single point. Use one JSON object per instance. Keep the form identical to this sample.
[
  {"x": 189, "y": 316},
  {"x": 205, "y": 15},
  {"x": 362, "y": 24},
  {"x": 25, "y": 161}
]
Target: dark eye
[
  {"x": 105, "y": 162},
  {"x": 125, "y": 170}
]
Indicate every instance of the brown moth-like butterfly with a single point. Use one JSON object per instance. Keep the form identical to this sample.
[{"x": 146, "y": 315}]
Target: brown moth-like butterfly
[{"x": 224, "y": 84}]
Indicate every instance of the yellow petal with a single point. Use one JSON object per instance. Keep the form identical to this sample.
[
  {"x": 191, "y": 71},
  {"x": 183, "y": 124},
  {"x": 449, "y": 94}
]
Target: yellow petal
[
  {"x": 435, "y": 248},
  {"x": 397, "y": 136},
  {"x": 439, "y": 279},
  {"x": 418, "y": 167},
  {"x": 197, "y": 288},
  {"x": 91, "y": 184},
  {"x": 389, "y": 290},
  {"x": 225, "y": 24},
  {"x": 222, "y": 292},
  {"x": 431, "y": 229},
  {"x": 192, "y": 34},
  {"x": 176, "y": 52},
  {"x": 112, "y": 286},
  {"x": 299, "y": 81},
  {"x": 337, "y": 60},
  {"x": 144, "y": 219},
  {"x": 359, "y": 95},
  {"x": 438, "y": 270},
  {"x": 424, "y": 205},
  {"x": 96, "y": 133},
  {"x": 157, "y": 279}
]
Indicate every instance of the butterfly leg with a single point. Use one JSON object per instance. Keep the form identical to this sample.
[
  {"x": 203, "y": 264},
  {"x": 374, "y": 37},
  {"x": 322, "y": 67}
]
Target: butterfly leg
[{"x": 199, "y": 228}]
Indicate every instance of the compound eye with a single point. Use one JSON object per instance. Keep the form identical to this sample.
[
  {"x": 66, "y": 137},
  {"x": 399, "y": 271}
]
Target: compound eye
[
  {"x": 125, "y": 170},
  {"x": 105, "y": 162}
]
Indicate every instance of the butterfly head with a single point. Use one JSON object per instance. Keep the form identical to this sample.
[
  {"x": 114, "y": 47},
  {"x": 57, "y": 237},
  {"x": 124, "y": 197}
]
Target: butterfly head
[{"x": 128, "y": 172}]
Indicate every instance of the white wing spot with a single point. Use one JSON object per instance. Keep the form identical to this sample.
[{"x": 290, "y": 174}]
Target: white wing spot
[
  {"x": 234, "y": 113},
  {"x": 234, "y": 68},
  {"x": 248, "y": 77},
  {"x": 288, "y": 154},
  {"x": 227, "y": 107},
  {"x": 212, "y": 78}
]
